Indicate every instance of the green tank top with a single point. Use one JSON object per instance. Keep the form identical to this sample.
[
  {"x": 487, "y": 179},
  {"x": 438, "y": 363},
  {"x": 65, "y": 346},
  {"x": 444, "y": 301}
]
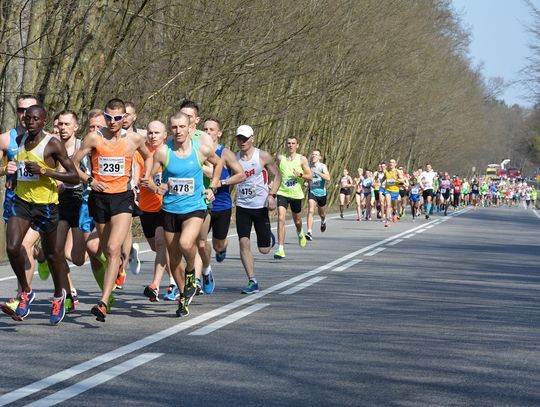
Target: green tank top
[{"x": 291, "y": 185}]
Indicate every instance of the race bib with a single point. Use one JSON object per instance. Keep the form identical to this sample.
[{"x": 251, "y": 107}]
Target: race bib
[
  {"x": 290, "y": 182},
  {"x": 157, "y": 179},
  {"x": 443, "y": 190},
  {"x": 316, "y": 183},
  {"x": 390, "y": 182},
  {"x": 415, "y": 190},
  {"x": 23, "y": 174},
  {"x": 181, "y": 186},
  {"x": 246, "y": 191},
  {"x": 111, "y": 166}
]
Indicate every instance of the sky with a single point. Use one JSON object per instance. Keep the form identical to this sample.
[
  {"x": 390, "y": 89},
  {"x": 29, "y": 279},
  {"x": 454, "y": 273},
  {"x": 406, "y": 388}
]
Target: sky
[{"x": 499, "y": 40}]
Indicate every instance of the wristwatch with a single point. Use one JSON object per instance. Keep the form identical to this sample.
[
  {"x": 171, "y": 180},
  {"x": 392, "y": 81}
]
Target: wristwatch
[
  {"x": 89, "y": 180},
  {"x": 213, "y": 189},
  {"x": 272, "y": 195}
]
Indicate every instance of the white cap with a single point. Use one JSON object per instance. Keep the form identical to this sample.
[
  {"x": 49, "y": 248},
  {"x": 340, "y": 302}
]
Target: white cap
[{"x": 244, "y": 130}]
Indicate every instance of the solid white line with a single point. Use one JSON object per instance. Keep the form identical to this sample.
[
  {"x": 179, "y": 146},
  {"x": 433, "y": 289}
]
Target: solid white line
[
  {"x": 303, "y": 285},
  {"x": 96, "y": 380},
  {"x": 374, "y": 252},
  {"x": 228, "y": 319},
  {"x": 66, "y": 374},
  {"x": 395, "y": 242},
  {"x": 347, "y": 265},
  {"x": 536, "y": 213}
]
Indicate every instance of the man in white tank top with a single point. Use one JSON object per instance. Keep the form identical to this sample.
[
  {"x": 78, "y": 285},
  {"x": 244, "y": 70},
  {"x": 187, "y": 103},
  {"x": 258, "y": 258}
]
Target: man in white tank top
[{"x": 253, "y": 201}]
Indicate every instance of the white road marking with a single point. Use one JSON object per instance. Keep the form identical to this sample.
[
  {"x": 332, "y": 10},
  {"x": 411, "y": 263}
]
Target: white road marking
[
  {"x": 347, "y": 265},
  {"x": 395, "y": 242},
  {"x": 228, "y": 319},
  {"x": 430, "y": 226},
  {"x": 94, "y": 381},
  {"x": 303, "y": 285},
  {"x": 420, "y": 231},
  {"x": 409, "y": 236},
  {"x": 374, "y": 252},
  {"x": 68, "y": 373}
]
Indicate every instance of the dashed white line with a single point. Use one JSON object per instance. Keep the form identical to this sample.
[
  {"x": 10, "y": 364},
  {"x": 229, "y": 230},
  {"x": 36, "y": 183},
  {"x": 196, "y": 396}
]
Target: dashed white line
[
  {"x": 395, "y": 242},
  {"x": 374, "y": 252},
  {"x": 96, "y": 380},
  {"x": 229, "y": 319},
  {"x": 303, "y": 285},
  {"x": 347, "y": 265}
]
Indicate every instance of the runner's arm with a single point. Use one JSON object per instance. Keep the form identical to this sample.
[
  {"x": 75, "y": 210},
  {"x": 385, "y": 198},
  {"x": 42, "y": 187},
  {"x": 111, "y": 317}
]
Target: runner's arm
[{"x": 230, "y": 161}]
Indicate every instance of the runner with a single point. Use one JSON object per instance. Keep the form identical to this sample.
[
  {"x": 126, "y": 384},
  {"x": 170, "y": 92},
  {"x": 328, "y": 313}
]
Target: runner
[
  {"x": 184, "y": 207},
  {"x": 220, "y": 220},
  {"x": 150, "y": 203},
  {"x": 130, "y": 118},
  {"x": 445, "y": 188},
  {"x": 293, "y": 167},
  {"x": 36, "y": 203},
  {"x": 456, "y": 186},
  {"x": 427, "y": 179},
  {"x": 391, "y": 180},
  {"x": 367, "y": 192},
  {"x": 253, "y": 201},
  {"x": 70, "y": 201},
  {"x": 475, "y": 192},
  {"x": 8, "y": 146},
  {"x": 111, "y": 201},
  {"x": 359, "y": 197},
  {"x": 414, "y": 196},
  {"x": 345, "y": 185},
  {"x": 317, "y": 192}
]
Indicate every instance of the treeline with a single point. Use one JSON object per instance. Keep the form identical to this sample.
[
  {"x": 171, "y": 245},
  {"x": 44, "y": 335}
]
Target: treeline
[{"x": 361, "y": 80}]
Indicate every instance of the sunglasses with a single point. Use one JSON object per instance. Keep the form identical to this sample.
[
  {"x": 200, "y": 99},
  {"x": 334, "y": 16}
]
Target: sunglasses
[
  {"x": 110, "y": 118},
  {"x": 242, "y": 139},
  {"x": 21, "y": 109}
]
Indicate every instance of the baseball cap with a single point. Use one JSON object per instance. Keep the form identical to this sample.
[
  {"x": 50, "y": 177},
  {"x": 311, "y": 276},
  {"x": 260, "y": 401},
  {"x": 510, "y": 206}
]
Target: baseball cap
[{"x": 245, "y": 131}]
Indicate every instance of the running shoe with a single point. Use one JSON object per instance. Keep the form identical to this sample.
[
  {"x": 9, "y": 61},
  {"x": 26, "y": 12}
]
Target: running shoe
[
  {"x": 341, "y": 215},
  {"x": 10, "y": 306},
  {"x": 323, "y": 225},
  {"x": 190, "y": 288},
  {"x": 302, "y": 241},
  {"x": 386, "y": 224},
  {"x": 120, "y": 279},
  {"x": 58, "y": 310},
  {"x": 198, "y": 283},
  {"x": 134, "y": 261},
  {"x": 74, "y": 296},
  {"x": 279, "y": 254},
  {"x": 220, "y": 256},
  {"x": 427, "y": 216},
  {"x": 183, "y": 310},
  {"x": 69, "y": 305},
  {"x": 152, "y": 292},
  {"x": 172, "y": 293},
  {"x": 309, "y": 236},
  {"x": 272, "y": 239},
  {"x": 23, "y": 309},
  {"x": 251, "y": 288},
  {"x": 43, "y": 270},
  {"x": 99, "y": 311},
  {"x": 208, "y": 283}
]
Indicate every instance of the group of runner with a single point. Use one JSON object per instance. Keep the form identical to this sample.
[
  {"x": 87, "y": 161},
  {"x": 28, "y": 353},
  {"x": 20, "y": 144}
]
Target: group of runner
[{"x": 79, "y": 198}]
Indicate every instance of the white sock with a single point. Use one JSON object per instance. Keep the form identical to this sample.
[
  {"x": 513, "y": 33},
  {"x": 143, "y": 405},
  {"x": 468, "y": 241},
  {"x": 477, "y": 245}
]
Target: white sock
[{"x": 206, "y": 270}]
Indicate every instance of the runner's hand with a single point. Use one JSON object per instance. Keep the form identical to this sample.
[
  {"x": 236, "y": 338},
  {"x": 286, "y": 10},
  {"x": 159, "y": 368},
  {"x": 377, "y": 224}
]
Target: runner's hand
[{"x": 11, "y": 167}]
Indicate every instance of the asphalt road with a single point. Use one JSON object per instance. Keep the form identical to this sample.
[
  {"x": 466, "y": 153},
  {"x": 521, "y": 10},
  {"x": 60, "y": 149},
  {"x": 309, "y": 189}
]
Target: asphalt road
[{"x": 441, "y": 312}]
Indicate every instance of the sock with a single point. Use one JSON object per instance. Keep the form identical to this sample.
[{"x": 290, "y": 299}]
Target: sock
[
  {"x": 428, "y": 208},
  {"x": 99, "y": 276},
  {"x": 102, "y": 258},
  {"x": 253, "y": 279},
  {"x": 280, "y": 247},
  {"x": 323, "y": 220},
  {"x": 206, "y": 270},
  {"x": 171, "y": 281},
  {"x": 309, "y": 231}
]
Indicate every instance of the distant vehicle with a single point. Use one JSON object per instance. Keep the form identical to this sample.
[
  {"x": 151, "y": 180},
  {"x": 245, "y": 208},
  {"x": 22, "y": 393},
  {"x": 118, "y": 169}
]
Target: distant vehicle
[
  {"x": 501, "y": 173},
  {"x": 513, "y": 173},
  {"x": 491, "y": 171}
]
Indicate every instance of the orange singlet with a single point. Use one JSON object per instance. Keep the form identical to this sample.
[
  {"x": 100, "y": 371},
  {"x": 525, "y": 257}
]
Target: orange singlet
[
  {"x": 148, "y": 200},
  {"x": 111, "y": 167}
]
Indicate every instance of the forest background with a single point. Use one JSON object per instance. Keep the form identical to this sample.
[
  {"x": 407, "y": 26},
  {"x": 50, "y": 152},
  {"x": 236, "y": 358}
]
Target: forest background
[{"x": 362, "y": 81}]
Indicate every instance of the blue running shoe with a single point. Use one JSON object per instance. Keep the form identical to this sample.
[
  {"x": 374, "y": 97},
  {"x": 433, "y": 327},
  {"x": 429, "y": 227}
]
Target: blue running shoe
[
  {"x": 251, "y": 288},
  {"x": 199, "y": 285},
  {"x": 220, "y": 256},
  {"x": 172, "y": 293},
  {"x": 208, "y": 283},
  {"x": 23, "y": 309},
  {"x": 58, "y": 311}
]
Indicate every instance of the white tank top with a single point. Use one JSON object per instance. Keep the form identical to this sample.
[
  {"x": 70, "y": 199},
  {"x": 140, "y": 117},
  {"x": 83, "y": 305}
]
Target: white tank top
[{"x": 253, "y": 192}]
